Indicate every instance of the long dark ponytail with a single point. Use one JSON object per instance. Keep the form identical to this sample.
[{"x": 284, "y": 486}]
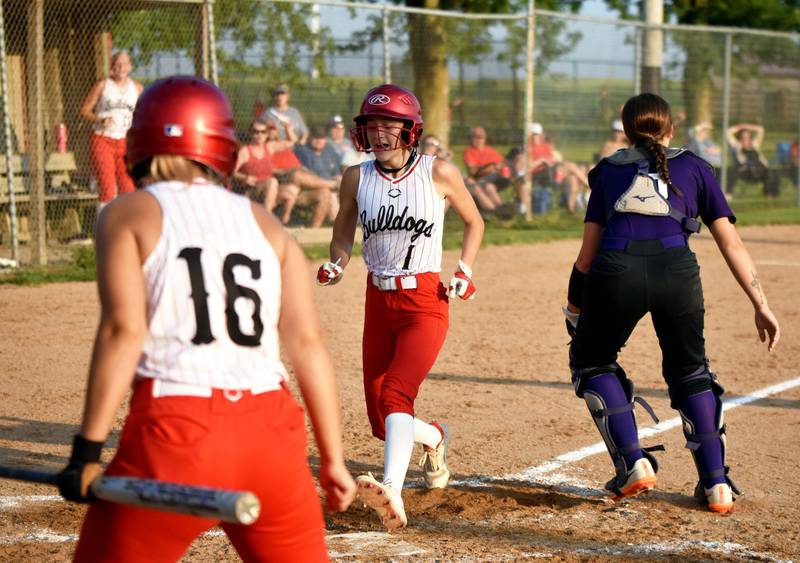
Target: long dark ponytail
[{"x": 647, "y": 119}]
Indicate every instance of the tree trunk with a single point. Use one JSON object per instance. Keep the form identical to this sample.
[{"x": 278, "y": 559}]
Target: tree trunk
[
  {"x": 697, "y": 84},
  {"x": 431, "y": 81}
]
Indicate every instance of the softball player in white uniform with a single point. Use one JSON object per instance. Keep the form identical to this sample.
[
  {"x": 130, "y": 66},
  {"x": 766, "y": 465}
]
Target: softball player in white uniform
[
  {"x": 197, "y": 284},
  {"x": 399, "y": 199}
]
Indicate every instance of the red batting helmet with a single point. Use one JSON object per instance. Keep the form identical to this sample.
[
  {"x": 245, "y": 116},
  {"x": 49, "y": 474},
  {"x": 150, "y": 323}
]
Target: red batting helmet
[
  {"x": 394, "y": 102},
  {"x": 184, "y": 116}
]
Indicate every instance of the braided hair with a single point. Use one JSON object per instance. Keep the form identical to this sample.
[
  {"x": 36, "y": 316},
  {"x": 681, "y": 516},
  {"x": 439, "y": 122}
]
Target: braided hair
[{"x": 647, "y": 120}]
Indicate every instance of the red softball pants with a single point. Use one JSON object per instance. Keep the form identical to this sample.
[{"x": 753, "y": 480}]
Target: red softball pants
[
  {"x": 257, "y": 443},
  {"x": 403, "y": 333},
  {"x": 108, "y": 166}
]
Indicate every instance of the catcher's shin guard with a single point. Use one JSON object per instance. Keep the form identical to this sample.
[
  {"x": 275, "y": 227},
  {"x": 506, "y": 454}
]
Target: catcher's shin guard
[
  {"x": 610, "y": 397},
  {"x": 698, "y": 398}
]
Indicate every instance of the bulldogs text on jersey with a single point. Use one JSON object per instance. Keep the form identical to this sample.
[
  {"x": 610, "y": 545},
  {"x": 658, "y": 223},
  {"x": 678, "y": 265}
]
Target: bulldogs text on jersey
[{"x": 401, "y": 220}]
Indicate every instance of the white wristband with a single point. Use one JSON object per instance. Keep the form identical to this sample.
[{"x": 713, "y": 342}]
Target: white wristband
[
  {"x": 571, "y": 316},
  {"x": 464, "y": 268}
]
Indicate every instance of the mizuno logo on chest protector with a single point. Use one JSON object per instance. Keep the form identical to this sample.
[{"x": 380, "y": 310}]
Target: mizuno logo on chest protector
[{"x": 642, "y": 197}]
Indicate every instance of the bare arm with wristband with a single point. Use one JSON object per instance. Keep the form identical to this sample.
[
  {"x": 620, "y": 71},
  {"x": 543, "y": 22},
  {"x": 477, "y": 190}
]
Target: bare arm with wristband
[
  {"x": 592, "y": 233},
  {"x": 344, "y": 230}
]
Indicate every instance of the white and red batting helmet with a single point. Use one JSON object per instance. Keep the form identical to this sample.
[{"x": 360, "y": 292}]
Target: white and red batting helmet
[
  {"x": 389, "y": 100},
  {"x": 184, "y": 116}
]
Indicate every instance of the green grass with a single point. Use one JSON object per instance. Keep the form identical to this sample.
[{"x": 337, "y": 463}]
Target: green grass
[
  {"x": 80, "y": 268},
  {"x": 750, "y": 208}
]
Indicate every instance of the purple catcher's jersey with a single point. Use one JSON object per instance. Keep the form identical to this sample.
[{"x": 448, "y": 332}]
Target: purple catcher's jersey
[{"x": 693, "y": 176}]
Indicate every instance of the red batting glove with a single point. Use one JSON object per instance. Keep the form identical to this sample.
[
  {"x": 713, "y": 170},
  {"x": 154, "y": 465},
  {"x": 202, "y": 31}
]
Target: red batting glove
[
  {"x": 329, "y": 273},
  {"x": 461, "y": 283}
]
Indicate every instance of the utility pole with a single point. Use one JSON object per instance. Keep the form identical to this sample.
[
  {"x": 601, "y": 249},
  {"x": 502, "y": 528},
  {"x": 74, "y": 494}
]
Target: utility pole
[
  {"x": 653, "y": 46},
  {"x": 530, "y": 75},
  {"x": 313, "y": 71}
]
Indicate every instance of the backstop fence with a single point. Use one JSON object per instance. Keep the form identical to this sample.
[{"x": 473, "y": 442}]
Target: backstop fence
[{"x": 468, "y": 69}]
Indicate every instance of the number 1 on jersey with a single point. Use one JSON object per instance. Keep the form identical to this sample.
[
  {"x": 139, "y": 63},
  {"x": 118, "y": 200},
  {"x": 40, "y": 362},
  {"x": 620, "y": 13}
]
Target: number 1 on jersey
[
  {"x": 199, "y": 295},
  {"x": 407, "y": 262}
]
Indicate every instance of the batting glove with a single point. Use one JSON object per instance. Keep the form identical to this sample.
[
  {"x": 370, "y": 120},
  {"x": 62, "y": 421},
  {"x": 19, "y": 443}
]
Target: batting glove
[
  {"x": 330, "y": 273},
  {"x": 572, "y": 321},
  {"x": 83, "y": 468},
  {"x": 461, "y": 283}
]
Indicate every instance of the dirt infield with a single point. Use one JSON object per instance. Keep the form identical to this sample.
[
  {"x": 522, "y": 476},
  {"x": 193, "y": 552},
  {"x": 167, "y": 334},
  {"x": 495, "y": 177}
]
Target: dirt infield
[{"x": 526, "y": 482}]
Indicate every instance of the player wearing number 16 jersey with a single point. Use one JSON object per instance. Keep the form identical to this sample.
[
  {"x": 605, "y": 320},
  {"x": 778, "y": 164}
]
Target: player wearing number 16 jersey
[
  {"x": 399, "y": 200},
  {"x": 197, "y": 285}
]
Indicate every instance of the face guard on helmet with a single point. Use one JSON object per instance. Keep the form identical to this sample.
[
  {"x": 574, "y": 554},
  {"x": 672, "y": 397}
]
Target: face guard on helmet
[
  {"x": 184, "y": 116},
  {"x": 392, "y": 102}
]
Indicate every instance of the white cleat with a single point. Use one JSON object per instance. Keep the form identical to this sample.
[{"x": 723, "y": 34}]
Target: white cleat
[
  {"x": 384, "y": 500},
  {"x": 434, "y": 461},
  {"x": 719, "y": 498},
  {"x": 641, "y": 479}
]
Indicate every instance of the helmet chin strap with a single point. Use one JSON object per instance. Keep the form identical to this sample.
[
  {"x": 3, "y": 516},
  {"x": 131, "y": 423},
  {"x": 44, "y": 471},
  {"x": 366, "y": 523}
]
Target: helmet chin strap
[{"x": 411, "y": 159}]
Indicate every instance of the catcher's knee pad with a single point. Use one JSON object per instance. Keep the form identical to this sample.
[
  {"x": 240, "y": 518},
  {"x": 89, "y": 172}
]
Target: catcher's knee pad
[
  {"x": 697, "y": 381},
  {"x": 697, "y": 398},
  {"x": 608, "y": 392}
]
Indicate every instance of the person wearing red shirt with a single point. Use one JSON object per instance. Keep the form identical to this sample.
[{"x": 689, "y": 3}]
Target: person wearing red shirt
[
  {"x": 483, "y": 166},
  {"x": 488, "y": 172},
  {"x": 293, "y": 178},
  {"x": 254, "y": 164},
  {"x": 547, "y": 167}
]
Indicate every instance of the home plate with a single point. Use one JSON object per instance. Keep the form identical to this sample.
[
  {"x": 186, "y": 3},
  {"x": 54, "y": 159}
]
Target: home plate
[{"x": 380, "y": 545}]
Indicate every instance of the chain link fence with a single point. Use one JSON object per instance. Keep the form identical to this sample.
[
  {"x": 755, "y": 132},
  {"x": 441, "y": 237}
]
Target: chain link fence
[
  {"x": 54, "y": 54},
  {"x": 468, "y": 70}
]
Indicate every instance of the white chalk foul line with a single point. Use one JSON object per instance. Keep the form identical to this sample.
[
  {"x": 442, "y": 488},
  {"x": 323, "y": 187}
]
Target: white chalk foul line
[
  {"x": 11, "y": 501},
  {"x": 355, "y": 542},
  {"x": 45, "y": 535},
  {"x": 676, "y": 547},
  {"x": 542, "y": 473}
]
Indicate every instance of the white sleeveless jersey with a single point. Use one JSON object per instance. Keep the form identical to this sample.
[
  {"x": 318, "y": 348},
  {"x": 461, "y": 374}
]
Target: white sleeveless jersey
[
  {"x": 401, "y": 220},
  {"x": 213, "y": 292},
  {"x": 117, "y": 103}
]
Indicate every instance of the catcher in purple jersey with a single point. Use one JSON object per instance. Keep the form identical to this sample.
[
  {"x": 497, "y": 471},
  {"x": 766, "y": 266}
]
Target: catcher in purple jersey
[{"x": 635, "y": 259}]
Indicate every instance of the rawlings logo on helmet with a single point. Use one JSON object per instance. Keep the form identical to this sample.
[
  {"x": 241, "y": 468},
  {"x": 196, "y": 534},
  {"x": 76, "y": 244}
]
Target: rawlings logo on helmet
[{"x": 379, "y": 100}]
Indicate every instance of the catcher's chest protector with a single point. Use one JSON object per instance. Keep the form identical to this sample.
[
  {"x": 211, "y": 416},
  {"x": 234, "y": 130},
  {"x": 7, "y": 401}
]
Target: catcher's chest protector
[
  {"x": 647, "y": 195},
  {"x": 642, "y": 196}
]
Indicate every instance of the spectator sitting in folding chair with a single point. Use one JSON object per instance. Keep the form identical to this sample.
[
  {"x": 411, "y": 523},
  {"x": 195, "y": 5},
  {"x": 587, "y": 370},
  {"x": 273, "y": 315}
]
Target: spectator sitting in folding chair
[
  {"x": 487, "y": 172},
  {"x": 548, "y": 169},
  {"x": 294, "y": 179},
  {"x": 750, "y": 164},
  {"x": 253, "y": 174},
  {"x": 320, "y": 158}
]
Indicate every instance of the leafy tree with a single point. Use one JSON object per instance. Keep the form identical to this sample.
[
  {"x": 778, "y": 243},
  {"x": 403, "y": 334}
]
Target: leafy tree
[
  {"x": 704, "y": 51},
  {"x": 281, "y": 35},
  {"x": 431, "y": 42},
  {"x": 145, "y": 32},
  {"x": 279, "y": 32}
]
